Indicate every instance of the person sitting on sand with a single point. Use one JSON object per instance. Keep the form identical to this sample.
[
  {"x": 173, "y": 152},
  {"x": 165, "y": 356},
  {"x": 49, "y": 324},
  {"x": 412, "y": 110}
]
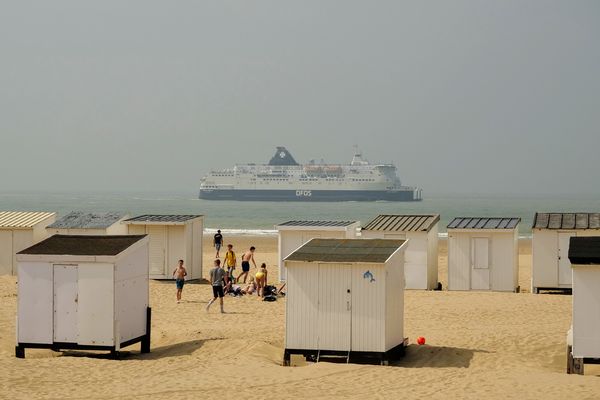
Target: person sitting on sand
[
  {"x": 246, "y": 258},
  {"x": 251, "y": 287},
  {"x": 261, "y": 280},
  {"x": 217, "y": 275},
  {"x": 179, "y": 274}
]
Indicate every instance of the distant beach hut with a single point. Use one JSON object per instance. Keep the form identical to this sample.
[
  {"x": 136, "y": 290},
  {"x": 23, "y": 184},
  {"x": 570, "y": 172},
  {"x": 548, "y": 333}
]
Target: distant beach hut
[
  {"x": 172, "y": 238},
  {"x": 583, "y": 340},
  {"x": 345, "y": 298},
  {"x": 83, "y": 292},
  {"x": 551, "y": 233},
  {"x": 421, "y": 256},
  {"x": 19, "y": 230},
  {"x": 82, "y": 223},
  {"x": 293, "y": 234},
  {"x": 483, "y": 254}
]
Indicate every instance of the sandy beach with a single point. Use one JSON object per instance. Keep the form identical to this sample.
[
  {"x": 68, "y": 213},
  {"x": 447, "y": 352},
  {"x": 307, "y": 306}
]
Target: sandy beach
[{"x": 479, "y": 345}]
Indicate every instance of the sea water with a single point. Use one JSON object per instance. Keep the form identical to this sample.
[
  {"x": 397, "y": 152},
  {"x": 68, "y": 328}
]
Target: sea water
[{"x": 260, "y": 217}]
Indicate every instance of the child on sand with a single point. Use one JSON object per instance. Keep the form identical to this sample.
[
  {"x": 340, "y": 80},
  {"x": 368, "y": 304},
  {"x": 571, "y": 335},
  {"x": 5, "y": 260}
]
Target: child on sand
[
  {"x": 217, "y": 275},
  {"x": 246, "y": 258},
  {"x": 179, "y": 274},
  {"x": 261, "y": 280},
  {"x": 230, "y": 261}
]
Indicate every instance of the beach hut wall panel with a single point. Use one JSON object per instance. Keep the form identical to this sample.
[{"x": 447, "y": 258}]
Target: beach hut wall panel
[
  {"x": 421, "y": 256},
  {"x": 483, "y": 254},
  {"x": 19, "y": 230},
  {"x": 584, "y": 254},
  {"x": 345, "y": 295},
  {"x": 293, "y": 234},
  {"x": 172, "y": 238},
  {"x": 83, "y": 223},
  {"x": 83, "y": 291},
  {"x": 551, "y": 233}
]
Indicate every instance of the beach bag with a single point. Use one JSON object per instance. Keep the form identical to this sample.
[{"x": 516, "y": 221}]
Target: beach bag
[
  {"x": 270, "y": 298},
  {"x": 270, "y": 290}
]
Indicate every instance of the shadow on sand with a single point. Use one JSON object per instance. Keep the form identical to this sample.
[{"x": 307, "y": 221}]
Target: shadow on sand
[
  {"x": 172, "y": 350},
  {"x": 436, "y": 357}
]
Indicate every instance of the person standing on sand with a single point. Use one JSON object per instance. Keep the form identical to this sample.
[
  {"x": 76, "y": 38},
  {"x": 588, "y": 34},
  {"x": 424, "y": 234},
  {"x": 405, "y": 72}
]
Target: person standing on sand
[
  {"x": 261, "y": 280},
  {"x": 246, "y": 257},
  {"x": 218, "y": 241},
  {"x": 230, "y": 261},
  {"x": 179, "y": 273},
  {"x": 217, "y": 274}
]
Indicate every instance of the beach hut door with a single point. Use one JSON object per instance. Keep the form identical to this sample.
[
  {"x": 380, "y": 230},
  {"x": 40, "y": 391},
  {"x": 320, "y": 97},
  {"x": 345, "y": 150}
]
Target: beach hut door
[
  {"x": 480, "y": 261},
  {"x": 158, "y": 245},
  {"x": 564, "y": 265},
  {"x": 335, "y": 307},
  {"x": 65, "y": 303}
]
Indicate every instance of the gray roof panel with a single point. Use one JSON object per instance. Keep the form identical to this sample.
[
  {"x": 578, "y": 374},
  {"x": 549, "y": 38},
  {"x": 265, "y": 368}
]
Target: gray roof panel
[
  {"x": 83, "y": 245},
  {"x": 163, "y": 218},
  {"x": 83, "y": 220},
  {"x": 402, "y": 223},
  {"x": 306, "y": 223},
  {"x": 566, "y": 221},
  {"x": 346, "y": 250},
  {"x": 484, "y": 223}
]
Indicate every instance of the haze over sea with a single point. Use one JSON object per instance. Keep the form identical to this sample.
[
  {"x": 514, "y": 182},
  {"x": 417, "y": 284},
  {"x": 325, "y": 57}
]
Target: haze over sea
[{"x": 260, "y": 217}]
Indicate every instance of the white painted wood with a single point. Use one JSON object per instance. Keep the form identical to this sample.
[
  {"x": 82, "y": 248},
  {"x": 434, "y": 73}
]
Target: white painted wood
[
  {"x": 459, "y": 261},
  {"x": 6, "y": 252},
  {"x": 586, "y": 311},
  {"x": 158, "y": 250},
  {"x": 65, "y": 303},
  {"x": 480, "y": 261},
  {"x": 95, "y": 316},
  {"x": 35, "y": 303},
  {"x": 176, "y": 247},
  {"x": 368, "y": 315},
  {"x": 544, "y": 251},
  {"x": 564, "y": 265},
  {"x": 335, "y": 307},
  {"x": 432, "y": 257},
  {"x": 302, "y": 306},
  {"x": 394, "y": 300}
]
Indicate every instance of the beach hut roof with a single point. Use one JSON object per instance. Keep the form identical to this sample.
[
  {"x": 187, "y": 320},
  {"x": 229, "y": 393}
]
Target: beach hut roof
[
  {"x": 403, "y": 223},
  {"x": 22, "y": 219},
  {"x": 162, "y": 218},
  {"x": 346, "y": 250},
  {"x": 584, "y": 250},
  {"x": 580, "y": 220},
  {"x": 301, "y": 223},
  {"x": 83, "y": 220},
  {"x": 484, "y": 223},
  {"x": 83, "y": 245}
]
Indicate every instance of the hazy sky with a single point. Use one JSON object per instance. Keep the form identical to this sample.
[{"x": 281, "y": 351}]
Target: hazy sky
[{"x": 463, "y": 96}]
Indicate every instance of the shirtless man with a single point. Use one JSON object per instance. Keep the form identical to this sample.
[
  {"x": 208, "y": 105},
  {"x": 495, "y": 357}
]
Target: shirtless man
[
  {"x": 246, "y": 257},
  {"x": 179, "y": 274}
]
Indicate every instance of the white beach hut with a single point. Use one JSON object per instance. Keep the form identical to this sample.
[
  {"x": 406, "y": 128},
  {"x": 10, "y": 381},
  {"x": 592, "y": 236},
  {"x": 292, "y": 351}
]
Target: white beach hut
[
  {"x": 172, "y": 238},
  {"x": 551, "y": 233},
  {"x": 19, "y": 230},
  {"x": 345, "y": 297},
  {"x": 293, "y": 234},
  {"x": 421, "y": 255},
  {"x": 82, "y": 223},
  {"x": 583, "y": 340},
  {"x": 83, "y": 292},
  {"x": 483, "y": 254}
]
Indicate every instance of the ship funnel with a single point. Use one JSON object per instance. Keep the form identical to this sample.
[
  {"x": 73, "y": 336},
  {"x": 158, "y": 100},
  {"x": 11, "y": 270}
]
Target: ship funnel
[{"x": 282, "y": 157}]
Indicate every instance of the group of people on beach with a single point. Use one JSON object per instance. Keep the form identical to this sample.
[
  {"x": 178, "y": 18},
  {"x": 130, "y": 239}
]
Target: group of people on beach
[{"x": 222, "y": 278}]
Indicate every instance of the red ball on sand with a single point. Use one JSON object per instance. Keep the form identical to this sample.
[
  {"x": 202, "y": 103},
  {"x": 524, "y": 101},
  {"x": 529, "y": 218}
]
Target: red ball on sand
[{"x": 421, "y": 340}]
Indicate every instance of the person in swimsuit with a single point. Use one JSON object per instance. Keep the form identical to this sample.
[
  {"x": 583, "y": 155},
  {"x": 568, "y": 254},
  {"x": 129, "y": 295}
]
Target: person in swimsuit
[
  {"x": 179, "y": 274},
  {"x": 261, "y": 280},
  {"x": 246, "y": 258},
  {"x": 218, "y": 241},
  {"x": 217, "y": 275}
]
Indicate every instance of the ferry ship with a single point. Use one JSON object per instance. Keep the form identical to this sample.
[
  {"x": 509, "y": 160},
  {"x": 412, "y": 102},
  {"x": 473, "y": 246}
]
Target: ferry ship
[{"x": 283, "y": 179}]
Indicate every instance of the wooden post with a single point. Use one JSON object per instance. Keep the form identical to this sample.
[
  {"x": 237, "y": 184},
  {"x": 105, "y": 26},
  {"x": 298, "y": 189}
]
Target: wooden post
[{"x": 145, "y": 347}]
